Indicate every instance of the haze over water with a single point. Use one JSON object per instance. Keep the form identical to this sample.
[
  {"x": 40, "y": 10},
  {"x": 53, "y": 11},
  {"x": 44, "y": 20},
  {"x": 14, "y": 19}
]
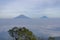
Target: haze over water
[{"x": 49, "y": 26}]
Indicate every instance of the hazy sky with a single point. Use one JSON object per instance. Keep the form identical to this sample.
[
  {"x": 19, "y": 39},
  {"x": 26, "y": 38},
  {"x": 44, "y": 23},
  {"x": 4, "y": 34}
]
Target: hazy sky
[{"x": 31, "y": 8}]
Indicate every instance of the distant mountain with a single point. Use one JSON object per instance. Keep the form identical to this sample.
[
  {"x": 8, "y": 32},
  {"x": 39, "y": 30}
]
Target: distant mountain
[
  {"x": 44, "y": 17},
  {"x": 22, "y": 16}
]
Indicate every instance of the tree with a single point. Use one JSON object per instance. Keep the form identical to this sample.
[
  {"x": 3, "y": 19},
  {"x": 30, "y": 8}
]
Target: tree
[
  {"x": 51, "y": 38},
  {"x": 21, "y": 34},
  {"x": 14, "y": 33}
]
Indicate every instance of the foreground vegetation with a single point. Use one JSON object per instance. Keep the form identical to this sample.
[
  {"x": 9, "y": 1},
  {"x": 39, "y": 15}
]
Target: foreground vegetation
[{"x": 24, "y": 34}]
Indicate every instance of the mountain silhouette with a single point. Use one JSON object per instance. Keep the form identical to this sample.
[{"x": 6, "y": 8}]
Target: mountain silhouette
[
  {"x": 44, "y": 17},
  {"x": 22, "y": 16}
]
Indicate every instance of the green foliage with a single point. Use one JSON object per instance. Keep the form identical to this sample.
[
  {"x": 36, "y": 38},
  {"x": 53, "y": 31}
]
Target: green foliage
[
  {"x": 21, "y": 34},
  {"x": 51, "y": 38}
]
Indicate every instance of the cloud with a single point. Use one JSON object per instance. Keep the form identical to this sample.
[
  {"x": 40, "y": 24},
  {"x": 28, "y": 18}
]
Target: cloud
[
  {"x": 52, "y": 12},
  {"x": 32, "y": 8}
]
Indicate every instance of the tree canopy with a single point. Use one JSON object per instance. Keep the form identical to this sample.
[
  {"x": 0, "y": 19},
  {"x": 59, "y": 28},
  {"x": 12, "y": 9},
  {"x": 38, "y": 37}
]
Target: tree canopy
[
  {"x": 22, "y": 34},
  {"x": 51, "y": 38}
]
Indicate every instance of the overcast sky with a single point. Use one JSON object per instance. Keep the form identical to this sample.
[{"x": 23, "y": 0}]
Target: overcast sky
[{"x": 31, "y": 8}]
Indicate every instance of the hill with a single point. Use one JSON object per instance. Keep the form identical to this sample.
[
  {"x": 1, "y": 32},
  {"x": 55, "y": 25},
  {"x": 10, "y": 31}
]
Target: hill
[
  {"x": 22, "y": 17},
  {"x": 44, "y": 17}
]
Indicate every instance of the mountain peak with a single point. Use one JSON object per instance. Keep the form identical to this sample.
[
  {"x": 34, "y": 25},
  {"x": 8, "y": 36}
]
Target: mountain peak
[
  {"x": 44, "y": 17},
  {"x": 22, "y": 16}
]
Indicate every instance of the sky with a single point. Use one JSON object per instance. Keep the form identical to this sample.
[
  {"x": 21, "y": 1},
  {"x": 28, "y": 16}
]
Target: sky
[{"x": 30, "y": 8}]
